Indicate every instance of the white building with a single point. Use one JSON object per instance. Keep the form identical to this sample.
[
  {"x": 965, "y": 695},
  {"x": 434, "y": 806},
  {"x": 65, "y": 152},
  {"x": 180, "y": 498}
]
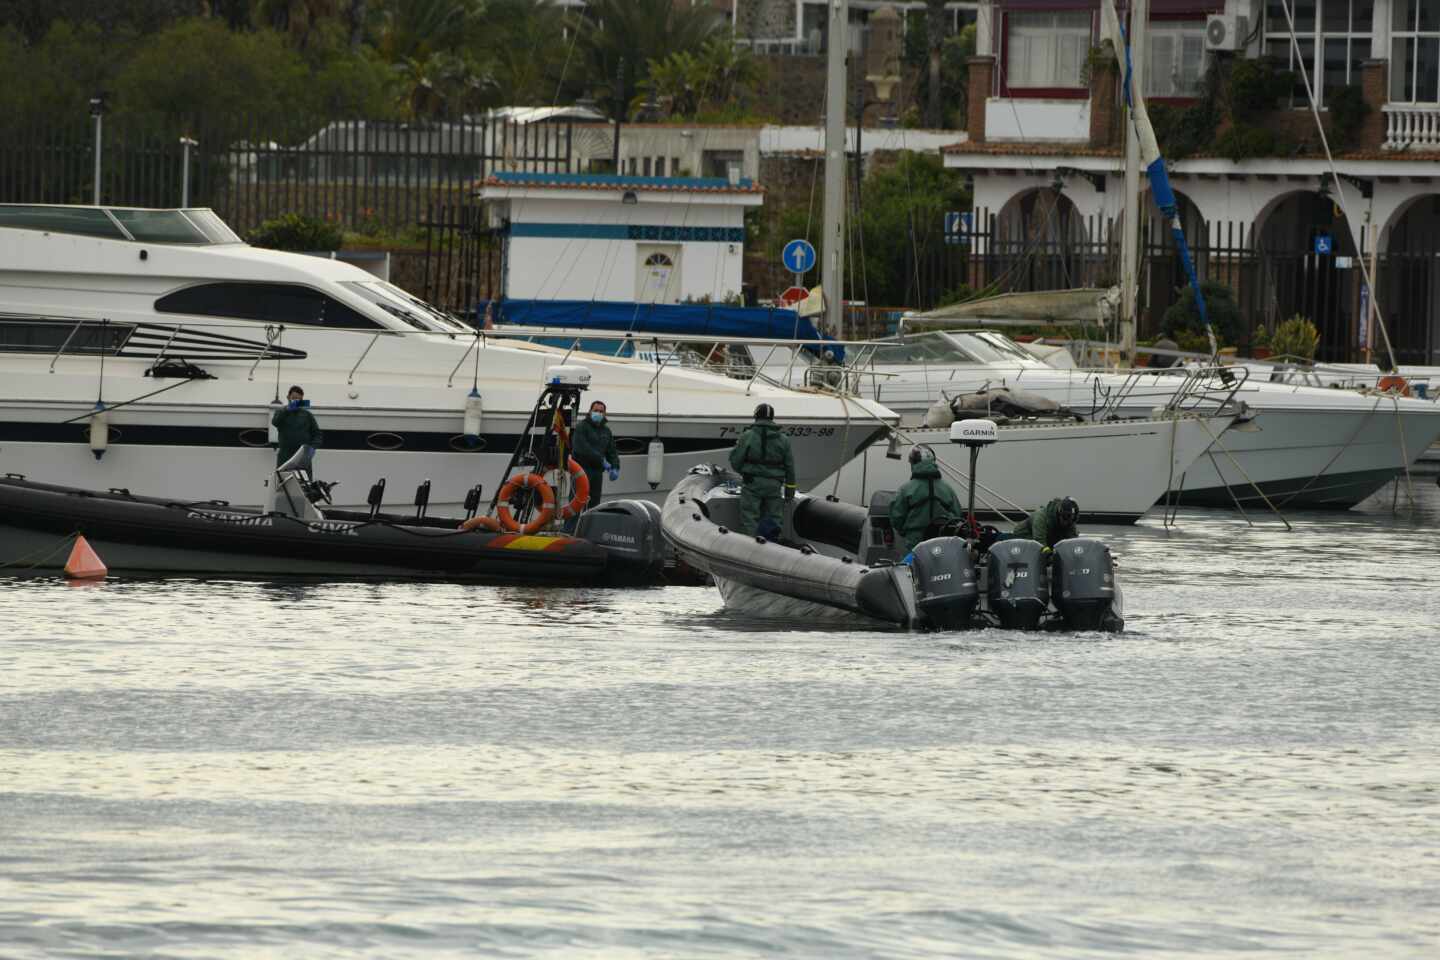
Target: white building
[{"x": 607, "y": 237}]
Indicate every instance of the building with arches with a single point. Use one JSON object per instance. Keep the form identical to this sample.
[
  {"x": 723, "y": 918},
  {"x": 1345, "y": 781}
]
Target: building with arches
[{"x": 1045, "y": 155}]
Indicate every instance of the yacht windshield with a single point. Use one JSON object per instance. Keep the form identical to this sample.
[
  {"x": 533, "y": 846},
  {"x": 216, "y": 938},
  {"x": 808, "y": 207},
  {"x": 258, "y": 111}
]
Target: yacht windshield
[
  {"x": 992, "y": 347},
  {"x": 215, "y": 229},
  {"x": 159, "y": 226},
  {"x": 925, "y": 348},
  {"x": 401, "y": 305}
]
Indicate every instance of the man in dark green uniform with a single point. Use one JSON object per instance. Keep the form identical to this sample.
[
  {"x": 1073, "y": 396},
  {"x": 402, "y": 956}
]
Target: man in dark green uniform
[
  {"x": 594, "y": 449},
  {"x": 1051, "y": 523},
  {"x": 763, "y": 458},
  {"x": 925, "y": 502},
  {"x": 295, "y": 425}
]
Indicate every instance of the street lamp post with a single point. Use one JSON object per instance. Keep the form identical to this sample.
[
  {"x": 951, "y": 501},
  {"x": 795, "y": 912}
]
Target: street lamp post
[
  {"x": 185, "y": 144},
  {"x": 97, "y": 110}
]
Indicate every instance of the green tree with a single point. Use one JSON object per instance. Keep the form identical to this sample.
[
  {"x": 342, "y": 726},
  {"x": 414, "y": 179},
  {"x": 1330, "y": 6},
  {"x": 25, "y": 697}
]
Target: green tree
[
  {"x": 633, "y": 33},
  {"x": 1182, "y": 318},
  {"x": 527, "y": 57}
]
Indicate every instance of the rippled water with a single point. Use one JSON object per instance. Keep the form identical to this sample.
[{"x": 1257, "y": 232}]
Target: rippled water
[{"x": 288, "y": 770}]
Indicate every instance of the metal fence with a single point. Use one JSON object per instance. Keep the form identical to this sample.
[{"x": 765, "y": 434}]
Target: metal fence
[
  {"x": 1269, "y": 285},
  {"x": 367, "y": 175}
]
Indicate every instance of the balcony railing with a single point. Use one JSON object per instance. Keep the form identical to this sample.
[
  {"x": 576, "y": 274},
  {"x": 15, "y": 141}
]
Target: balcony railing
[{"x": 1412, "y": 126}]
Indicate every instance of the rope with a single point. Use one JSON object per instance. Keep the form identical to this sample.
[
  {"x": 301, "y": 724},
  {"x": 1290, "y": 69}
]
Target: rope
[
  {"x": 1404, "y": 457},
  {"x": 21, "y": 560},
  {"x": 1338, "y": 454},
  {"x": 1229, "y": 456}
]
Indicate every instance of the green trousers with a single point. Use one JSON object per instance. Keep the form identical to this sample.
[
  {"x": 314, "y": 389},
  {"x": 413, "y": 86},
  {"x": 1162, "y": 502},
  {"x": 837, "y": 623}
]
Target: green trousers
[{"x": 761, "y": 497}]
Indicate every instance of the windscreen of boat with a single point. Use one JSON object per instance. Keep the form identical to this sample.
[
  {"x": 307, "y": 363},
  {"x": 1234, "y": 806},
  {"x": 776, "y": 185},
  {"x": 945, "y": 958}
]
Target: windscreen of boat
[
  {"x": 160, "y": 226},
  {"x": 993, "y": 347},
  {"x": 925, "y": 349},
  {"x": 84, "y": 221},
  {"x": 215, "y": 229},
  {"x": 401, "y": 305}
]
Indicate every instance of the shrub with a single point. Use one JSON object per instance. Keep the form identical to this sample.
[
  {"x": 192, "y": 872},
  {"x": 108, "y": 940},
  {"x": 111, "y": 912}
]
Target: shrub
[
  {"x": 1347, "y": 112},
  {"x": 297, "y": 233},
  {"x": 1182, "y": 319},
  {"x": 1296, "y": 337}
]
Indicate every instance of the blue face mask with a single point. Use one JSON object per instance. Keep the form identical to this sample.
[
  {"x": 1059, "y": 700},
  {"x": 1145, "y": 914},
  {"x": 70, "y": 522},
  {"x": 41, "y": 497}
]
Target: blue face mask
[{"x": 596, "y": 417}]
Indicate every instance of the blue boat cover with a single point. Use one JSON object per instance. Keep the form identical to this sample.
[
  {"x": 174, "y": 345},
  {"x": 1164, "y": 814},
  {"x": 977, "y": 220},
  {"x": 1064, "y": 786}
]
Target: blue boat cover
[{"x": 691, "y": 321}]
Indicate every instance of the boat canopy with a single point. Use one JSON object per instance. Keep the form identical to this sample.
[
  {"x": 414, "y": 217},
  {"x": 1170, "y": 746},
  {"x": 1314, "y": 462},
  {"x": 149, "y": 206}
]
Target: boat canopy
[
  {"x": 195, "y": 226},
  {"x": 689, "y": 321}
]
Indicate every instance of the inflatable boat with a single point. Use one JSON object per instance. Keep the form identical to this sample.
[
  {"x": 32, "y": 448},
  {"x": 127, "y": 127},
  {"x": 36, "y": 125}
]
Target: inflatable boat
[
  {"x": 146, "y": 535},
  {"x": 838, "y": 559}
]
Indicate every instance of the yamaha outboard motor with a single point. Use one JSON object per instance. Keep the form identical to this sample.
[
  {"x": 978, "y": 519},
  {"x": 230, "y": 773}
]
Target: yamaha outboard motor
[
  {"x": 629, "y": 532},
  {"x": 946, "y": 592},
  {"x": 1018, "y": 585},
  {"x": 1084, "y": 585}
]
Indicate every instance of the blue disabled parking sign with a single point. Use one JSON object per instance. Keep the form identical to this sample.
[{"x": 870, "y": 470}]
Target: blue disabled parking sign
[
  {"x": 798, "y": 256},
  {"x": 1323, "y": 244}
]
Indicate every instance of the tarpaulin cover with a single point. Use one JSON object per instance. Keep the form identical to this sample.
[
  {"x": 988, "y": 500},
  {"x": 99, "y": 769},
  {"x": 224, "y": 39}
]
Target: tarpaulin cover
[{"x": 690, "y": 321}]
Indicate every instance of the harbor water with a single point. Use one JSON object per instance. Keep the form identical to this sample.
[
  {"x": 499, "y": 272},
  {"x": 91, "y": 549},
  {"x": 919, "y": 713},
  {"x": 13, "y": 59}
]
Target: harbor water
[{"x": 288, "y": 769}]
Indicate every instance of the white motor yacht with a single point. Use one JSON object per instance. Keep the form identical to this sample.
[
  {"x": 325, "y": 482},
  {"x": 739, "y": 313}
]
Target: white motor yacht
[
  {"x": 148, "y": 350},
  {"x": 1303, "y": 446}
]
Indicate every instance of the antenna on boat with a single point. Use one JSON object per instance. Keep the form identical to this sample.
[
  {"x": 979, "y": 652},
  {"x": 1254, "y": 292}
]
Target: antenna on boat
[{"x": 974, "y": 434}]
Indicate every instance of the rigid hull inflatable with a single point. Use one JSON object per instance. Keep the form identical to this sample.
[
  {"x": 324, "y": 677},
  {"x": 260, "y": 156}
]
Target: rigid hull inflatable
[
  {"x": 839, "y": 558},
  {"x": 147, "y": 535}
]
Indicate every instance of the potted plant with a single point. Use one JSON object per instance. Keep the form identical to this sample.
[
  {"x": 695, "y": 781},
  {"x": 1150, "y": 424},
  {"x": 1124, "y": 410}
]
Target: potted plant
[
  {"x": 1296, "y": 339},
  {"x": 1260, "y": 347}
]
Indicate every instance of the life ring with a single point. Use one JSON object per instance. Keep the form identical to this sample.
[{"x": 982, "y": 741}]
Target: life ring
[
  {"x": 582, "y": 490},
  {"x": 1393, "y": 384},
  {"x": 547, "y": 503},
  {"x": 482, "y": 523}
]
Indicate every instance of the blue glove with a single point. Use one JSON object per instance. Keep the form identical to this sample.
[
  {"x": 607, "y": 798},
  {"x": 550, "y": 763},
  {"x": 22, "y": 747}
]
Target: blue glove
[
  {"x": 613, "y": 473},
  {"x": 293, "y": 405},
  {"x": 909, "y": 559}
]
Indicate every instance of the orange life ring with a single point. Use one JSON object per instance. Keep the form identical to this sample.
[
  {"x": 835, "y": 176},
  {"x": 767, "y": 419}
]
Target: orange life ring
[
  {"x": 1393, "y": 384},
  {"x": 482, "y": 523},
  {"x": 547, "y": 503},
  {"x": 582, "y": 490}
]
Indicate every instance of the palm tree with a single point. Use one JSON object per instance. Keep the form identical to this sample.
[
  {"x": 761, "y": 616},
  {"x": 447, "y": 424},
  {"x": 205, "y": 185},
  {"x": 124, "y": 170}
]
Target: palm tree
[{"x": 618, "y": 38}]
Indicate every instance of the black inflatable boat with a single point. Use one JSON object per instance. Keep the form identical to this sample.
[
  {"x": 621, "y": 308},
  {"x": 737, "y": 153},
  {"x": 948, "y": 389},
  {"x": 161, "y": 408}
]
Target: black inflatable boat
[
  {"x": 834, "y": 557},
  {"x": 137, "y": 534}
]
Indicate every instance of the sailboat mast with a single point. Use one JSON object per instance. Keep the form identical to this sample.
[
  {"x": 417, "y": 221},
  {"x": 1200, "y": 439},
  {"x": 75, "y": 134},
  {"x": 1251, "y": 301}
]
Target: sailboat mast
[
  {"x": 832, "y": 237},
  {"x": 1130, "y": 224}
]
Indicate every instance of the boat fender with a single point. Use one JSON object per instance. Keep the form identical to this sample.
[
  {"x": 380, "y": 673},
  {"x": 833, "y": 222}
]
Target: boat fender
[
  {"x": 99, "y": 430},
  {"x": 655, "y": 463},
  {"x": 1393, "y": 384},
  {"x": 488, "y": 524},
  {"x": 582, "y": 490},
  {"x": 272, "y": 432},
  {"x": 474, "y": 417},
  {"x": 533, "y": 481}
]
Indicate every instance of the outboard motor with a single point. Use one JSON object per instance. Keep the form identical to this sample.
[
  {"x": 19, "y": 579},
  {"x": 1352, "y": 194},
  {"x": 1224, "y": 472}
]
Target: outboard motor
[
  {"x": 1084, "y": 588},
  {"x": 946, "y": 592},
  {"x": 1018, "y": 587},
  {"x": 629, "y": 532}
]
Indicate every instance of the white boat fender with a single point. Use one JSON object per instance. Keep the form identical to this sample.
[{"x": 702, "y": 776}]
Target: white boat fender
[
  {"x": 272, "y": 432},
  {"x": 474, "y": 417},
  {"x": 655, "y": 463},
  {"x": 99, "y": 430}
]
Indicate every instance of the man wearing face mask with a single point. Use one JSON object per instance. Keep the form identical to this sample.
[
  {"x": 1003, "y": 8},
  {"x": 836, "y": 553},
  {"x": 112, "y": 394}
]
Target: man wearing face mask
[{"x": 594, "y": 450}]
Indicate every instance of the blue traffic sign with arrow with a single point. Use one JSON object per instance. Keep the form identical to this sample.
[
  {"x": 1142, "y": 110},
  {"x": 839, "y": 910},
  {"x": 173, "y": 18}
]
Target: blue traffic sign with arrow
[{"x": 798, "y": 256}]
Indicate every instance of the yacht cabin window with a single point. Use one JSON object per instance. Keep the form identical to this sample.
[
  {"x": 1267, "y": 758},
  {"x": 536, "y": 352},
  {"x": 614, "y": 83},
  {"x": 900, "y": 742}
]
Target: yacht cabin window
[
  {"x": 405, "y": 307},
  {"x": 53, "y": 336},
  {"x": 922, "y": 349},
  {"x": 267, "y": 302}
]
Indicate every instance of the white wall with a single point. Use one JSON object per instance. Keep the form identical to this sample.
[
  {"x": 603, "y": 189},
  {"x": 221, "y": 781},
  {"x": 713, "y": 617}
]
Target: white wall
[
  {"x": 593, "y": 268},
  {"x": 1009, "y": 118}
]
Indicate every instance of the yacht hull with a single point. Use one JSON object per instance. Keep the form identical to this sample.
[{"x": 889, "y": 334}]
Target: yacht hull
[{"x": 1116, "y": 471}]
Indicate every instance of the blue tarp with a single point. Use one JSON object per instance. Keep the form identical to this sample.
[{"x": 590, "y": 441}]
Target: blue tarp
[{"x": 690, "y": 321}]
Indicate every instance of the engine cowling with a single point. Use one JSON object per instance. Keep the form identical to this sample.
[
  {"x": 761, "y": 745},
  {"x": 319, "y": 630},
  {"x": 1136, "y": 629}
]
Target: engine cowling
[
  {"x": 1083, "y": 587},
  {"x": 946, "y": 588},
  {"x": 1018, "y": 584}
]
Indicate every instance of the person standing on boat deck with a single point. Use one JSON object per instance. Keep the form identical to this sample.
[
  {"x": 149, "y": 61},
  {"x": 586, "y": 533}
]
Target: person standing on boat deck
[
  {"x": 594, "y": 449},
  {"x": 765, "y": 462},
  {"x": 925, "y": 503},
  {"x": 295, "y": 425},
  {"x": 1051, "y": 523}
]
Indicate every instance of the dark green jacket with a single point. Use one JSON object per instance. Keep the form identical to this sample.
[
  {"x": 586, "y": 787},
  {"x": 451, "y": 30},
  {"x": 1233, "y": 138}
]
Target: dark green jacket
[
  {"x": 594, "y": 446},
  {"x": 924, "y": 500},
  {"x": 296, "y": 428},
  {"x": 763, "y": 452},
  {"x": 1044, "y": 526}
]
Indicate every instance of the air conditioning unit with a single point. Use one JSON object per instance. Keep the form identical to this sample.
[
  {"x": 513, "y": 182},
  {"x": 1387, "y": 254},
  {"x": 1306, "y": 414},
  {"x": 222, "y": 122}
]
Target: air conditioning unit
[{"x": 1225, "y": 31}]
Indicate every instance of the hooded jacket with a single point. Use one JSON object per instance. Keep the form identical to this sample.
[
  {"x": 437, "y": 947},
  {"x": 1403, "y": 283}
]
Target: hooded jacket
[
  {"x": 763, "y": 453},
  {"x": 1045, "y": 527},
  {"x": 295, "y": 428},
  {"x": 924, "y": 500},
  {"x": 594, "y": 445}
]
